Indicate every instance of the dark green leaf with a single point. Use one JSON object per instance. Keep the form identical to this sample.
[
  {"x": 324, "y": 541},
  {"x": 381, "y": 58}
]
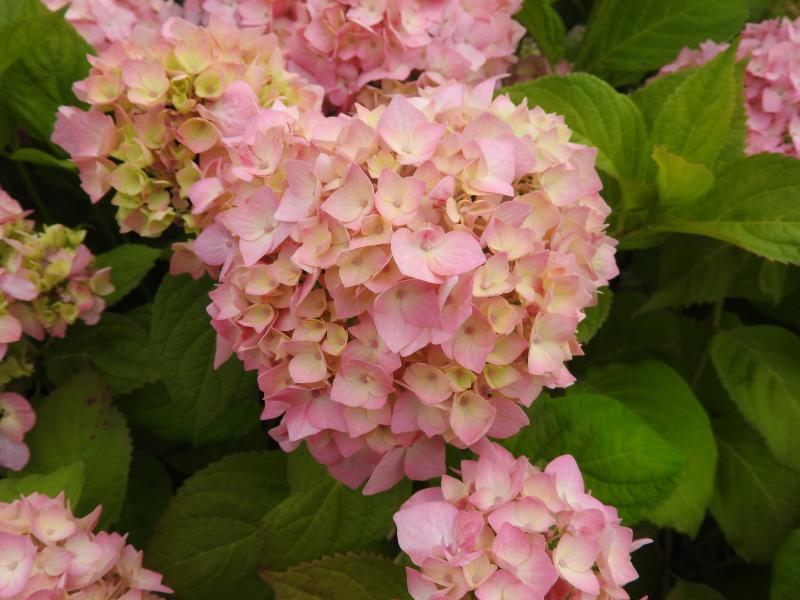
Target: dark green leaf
[
  {"x": 69, "y": 479},
  {"x": 686, "y": 590},
  {"x": 37, "y": 157},
  {"x": 786, "y": 569},
  {"x": 149, "y": 491},
  {"x": 129, "y": 263},
  {"x": 595, "y": 316},
  {"x": 544, "y": 24}
]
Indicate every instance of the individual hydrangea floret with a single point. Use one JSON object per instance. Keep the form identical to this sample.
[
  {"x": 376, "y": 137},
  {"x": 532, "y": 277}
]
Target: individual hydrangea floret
[
  {"x": 507, "y": 530},
  {"x": 771, "y": 84},
  {"x": 16, "y": 419},
  {"x": 46, "y": 553},
  {"x": 103, "y": 22},
  {"x": 166, "y": 105},
  {"x": 345, "y": 44},
  {"x": 47, "y": 278},
  {"x": 413, "y": 281}
]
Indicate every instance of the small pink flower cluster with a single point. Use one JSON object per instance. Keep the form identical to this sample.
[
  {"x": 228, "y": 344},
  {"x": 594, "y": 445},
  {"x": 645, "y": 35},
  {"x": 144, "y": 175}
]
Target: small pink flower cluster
[
  {"x": 47, "y": 279},
  {"x": 509, "y": 531},
  {"x": 416, "y": 276},
  {"x": 771, "y": 84},
  {"x": 179, "y": 97},
  {"x": 103, "y": 22},
  {"x": 345, "y": 44},
  {"x": 16, "y": 419},
  {"x": 48, "y": 554}
]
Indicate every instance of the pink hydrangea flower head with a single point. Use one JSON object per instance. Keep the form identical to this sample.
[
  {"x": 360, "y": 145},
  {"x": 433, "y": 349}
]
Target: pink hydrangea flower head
[
  {"x": 771, "y": 85},
  {"x": 414, "y": 280},
  {"x": 508, "y": 529},
  {"x": 181, "y": 118},
  {"x": 48, "y": 553}
]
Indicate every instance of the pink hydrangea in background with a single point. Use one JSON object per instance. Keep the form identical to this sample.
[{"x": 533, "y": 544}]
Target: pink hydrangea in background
[
  {"x": 46, "y": 553},
  {"x": 771, "y": 85},
  {"x": 166, "y": 106},
  {"x": 103, "y": 22},
  {"x": 418, "y": 276},
  {"x": 16, "y": 419},
  {"x": 507, "y": 530},
  {"x": 47, "y": 278}
]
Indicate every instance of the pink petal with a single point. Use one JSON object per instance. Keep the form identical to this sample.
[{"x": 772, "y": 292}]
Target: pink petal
[
  {"x": 354, "y": 199},
  {"x": 471, "y": 417},
  {"x": 423, "y": 527},
  {"x": 410, "y": 257},
  {"x": 459, "y": 252}
]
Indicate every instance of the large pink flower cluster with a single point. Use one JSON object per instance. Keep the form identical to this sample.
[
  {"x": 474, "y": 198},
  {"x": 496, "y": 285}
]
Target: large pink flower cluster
[
  {"x": 416, "y": 277},
  {"x": 508, "y": 530},
  {"x": 48, "y": 554},
  {"x": 345, "y": 44},
  {"x": 103, "y": 22},
  {"x": 166, "y": 106},
  {"x": 771, "y": 84},
  {"x": 47, "y": 278},
  {"x": 16, "y": 419}
]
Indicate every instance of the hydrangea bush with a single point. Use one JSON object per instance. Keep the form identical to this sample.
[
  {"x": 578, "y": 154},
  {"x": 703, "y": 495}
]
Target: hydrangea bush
[{"x": 511, "y": 283}]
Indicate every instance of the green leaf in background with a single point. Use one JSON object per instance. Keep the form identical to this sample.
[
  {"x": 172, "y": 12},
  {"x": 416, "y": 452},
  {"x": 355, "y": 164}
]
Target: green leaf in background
[
  {"x": 326, "y": 518},
  {"x": 23, "y": 24},
  {"x": 38, "y": 157},
  {"x": 70, "y": 479},
  {"x": 661, "y": 397},
  {"x": 635, "y": 471},
  {"x": 206, "y": 544},
  {"x": 341, "y": 577},
  {"x": 595, "y": 316},
  {"x": 544, "y": 24},
  {"x": 598, "y": 116},
  {"x": 679, "y": 180},
  {"x": 129, "y": 263},
  {"x": 624, "y": 39},
  {"x": 755, "y": 205},
  {"x": 694, "y": 121},
  {"x": 786, "y": 569},
  {"x": 758, "y": 366},
  {"x": 755, "y": 497},
  {"x": 149, "y": 491},
  {"x": 216, "y": 404},
  {"x": 687, "y": 590},
  {"x": 78, "y": 423},
  {"x": 118, "y": 348}
]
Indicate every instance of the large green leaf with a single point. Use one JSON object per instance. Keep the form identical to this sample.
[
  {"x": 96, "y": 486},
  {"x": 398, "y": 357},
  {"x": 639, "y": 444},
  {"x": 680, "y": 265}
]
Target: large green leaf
[
  {"x": 755, "y": 204},
  {"x": 635, "y": 471},
  {"x": 650, "y": 98},
  {"x": 118, "y": 348},
  {"x": 341, "y": 577},
  {"x": 756, "y": 499},
  {"x": 23, "y": 23},
  {"x": 129, "y": 264},
  {"x": 69, "y": 479},
  {"x": 665, "y": 402},
  {"x": 687, "y": 590},
  {"x": 149, "y": 491},
  {"x": 694, "y": 121},
  {"x": 326, "y": 518},
  {"x": 786, "y": 569},
  {"x": 206, "y": 543},
  {"x": 625, "y": 40},
  {"x": 216, "y": 404},
  {"x": 78, "y": 423},
  {"x": 544, "y": 24},
  {"x": 679, "y": 180},
  {"x": 598, "y": 116},
  {"x": 758, "y": 366}
]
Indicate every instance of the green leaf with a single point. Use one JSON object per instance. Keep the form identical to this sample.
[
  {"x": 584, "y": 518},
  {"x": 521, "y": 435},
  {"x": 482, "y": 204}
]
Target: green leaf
[
  {"x": 328, "y": 518},
  {"x": 773, "y": 280},
  {"x": 206, "y": 544},
  {"x": 70, "y": 479},
  {"x": 755, "y": 498},
  {"x": 650, "y": 98},
  {"x": 348, "y": 577},
  {"x": 635, "y": 472},
  {"x": 149, "y": 491},
  {"x": 77, "y": 422},
  {"x": 755, "y": 205},
  {"x": 216, "y": 404},
  {"x": 129, "y": 263},
  {"x": 687, "y": 590},
  {"x": 694, "y": 121},
  {"x": 595, "y": 316},
  {"x": 679, "y": 180},
  {"x": 598, "y": 116},
  {"x": 544, "y": 24},
  {"x": 118, "y": 348},
  {"x": 38, "y": 157},
  {"x": 625, "y": 40},
  {"x": 661, "y": 397},
  {"x": 786, "y": 569},
  {"x": 758, "y": 366},
  {"x": 23, "y": 23}
]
